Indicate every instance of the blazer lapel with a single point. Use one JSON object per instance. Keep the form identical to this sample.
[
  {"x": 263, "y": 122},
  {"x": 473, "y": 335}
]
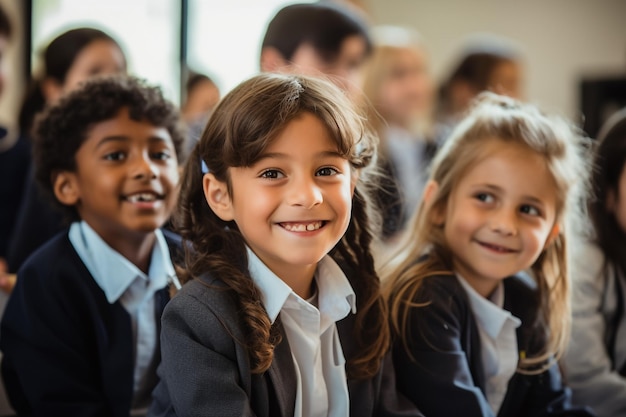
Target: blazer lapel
[{"x": 283, "y": 376}]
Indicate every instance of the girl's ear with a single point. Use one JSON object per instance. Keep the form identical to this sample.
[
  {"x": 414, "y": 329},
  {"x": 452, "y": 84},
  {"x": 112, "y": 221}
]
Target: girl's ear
[
  {"x": 216, "y": 195},
  {"x": 554, "y": 233},
  {"x": 65, "y": 187},
  {"x": 438, "y": 216}
]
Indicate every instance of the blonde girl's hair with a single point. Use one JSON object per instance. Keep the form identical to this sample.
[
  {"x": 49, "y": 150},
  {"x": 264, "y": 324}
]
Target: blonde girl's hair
[
  {"x": 500, "y": 118},
  {"x": 242, "y": 126},
  {"x": 389, "y": 43}
]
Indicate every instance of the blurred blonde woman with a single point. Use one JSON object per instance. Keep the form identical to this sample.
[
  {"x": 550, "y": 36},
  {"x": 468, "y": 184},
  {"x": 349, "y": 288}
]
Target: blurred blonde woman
[{"x": 399, "y": 89}]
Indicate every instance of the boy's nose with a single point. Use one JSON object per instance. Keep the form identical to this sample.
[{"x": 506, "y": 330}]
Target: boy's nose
[{"x": 144, "y": 168}]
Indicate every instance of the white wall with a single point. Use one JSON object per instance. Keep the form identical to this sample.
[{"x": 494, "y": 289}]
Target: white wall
[{"x": 562, "y": 40}]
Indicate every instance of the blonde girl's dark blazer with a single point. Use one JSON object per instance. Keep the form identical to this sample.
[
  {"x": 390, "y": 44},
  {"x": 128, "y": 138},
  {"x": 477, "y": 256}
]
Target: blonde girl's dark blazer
[
  {"x": 447, "y": 379},
  {"x": 205, "y": 369}
]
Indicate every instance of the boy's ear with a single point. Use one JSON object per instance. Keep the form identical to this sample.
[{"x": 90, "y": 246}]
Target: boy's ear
[
  {"x": 430, "y": 193},
  {"x": 272, "y": 60},
  {"x": 216, "y": 195},
  {"x": 66, "y": 188},
  {"x": 610, "y": 200}
]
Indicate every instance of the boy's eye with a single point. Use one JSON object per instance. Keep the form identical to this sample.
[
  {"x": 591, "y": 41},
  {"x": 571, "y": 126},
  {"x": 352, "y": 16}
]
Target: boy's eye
[
  {"x": 114, "y": 156},
  {"x": 326, "y": 171},
  {"x": 162, "y": 156},
  {"x": 528, "y": 209},
  {"x": 271, "y": 174}
]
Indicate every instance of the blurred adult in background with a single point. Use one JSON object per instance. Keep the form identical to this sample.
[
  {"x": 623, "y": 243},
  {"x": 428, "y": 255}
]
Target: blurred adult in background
[
  {"x": 69, "y": 59},
  {"x": 399, "y": 89},
  {"x": 595, "y": 363},
  {"x": 201, "y": 96},
  {"x": 322, "y": 38},
  {"x": 14, "y": 158},
  {"x": 486, "y": 63}
]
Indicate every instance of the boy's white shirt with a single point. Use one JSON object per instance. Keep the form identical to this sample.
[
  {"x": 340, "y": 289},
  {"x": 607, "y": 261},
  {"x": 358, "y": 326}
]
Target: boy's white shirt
[
  {"x": 121, "y": 280},
  {"x": 312, "y": 334},
  {"x": 498, "y": 340}
]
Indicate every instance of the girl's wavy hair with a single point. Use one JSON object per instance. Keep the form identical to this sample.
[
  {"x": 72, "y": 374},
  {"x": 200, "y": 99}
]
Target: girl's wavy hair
[
  {"x": 564, "y": 149},
  {"x": 243, "y": 125}
]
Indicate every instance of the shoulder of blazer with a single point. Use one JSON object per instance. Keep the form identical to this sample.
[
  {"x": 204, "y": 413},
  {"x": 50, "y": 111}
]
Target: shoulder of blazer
[{"x": 175, "y": 245}]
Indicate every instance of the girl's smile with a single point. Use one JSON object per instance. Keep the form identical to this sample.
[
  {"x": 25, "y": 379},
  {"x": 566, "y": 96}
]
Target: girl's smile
[
  {"x": 293, "y": 204},
  {"x": 500, "y": 215}
]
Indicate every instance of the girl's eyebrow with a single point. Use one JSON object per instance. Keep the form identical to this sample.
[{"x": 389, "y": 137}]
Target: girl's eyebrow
[
  {"x": 280, "y": 155},
  {"x": 499, "y": 189}
]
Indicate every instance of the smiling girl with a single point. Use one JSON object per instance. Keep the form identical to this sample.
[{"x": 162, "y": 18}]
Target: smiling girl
[
  {"x": 281, "y": 314},
  {"x": 475, "y": 335}
]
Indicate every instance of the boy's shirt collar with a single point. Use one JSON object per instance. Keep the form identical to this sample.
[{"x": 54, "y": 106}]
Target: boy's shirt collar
[{"x": 113, "y": 272}]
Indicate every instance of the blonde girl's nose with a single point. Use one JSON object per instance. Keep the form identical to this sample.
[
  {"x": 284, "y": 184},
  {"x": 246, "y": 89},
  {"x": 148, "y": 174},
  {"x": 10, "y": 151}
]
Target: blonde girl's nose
[{"x": 504, "y": 221}]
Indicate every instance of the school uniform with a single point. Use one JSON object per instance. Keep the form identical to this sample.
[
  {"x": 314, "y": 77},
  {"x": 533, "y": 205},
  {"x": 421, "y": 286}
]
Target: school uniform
[
  {"x": 73, "y": 346},
  {"x": 206, "y": 369},
  {"x": 595, "y": 362},
  {"x": 445, "y": 376}
]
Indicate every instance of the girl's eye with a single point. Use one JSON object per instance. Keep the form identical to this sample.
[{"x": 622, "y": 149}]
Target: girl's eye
[
  {"x": 272, "y": 174},
  {"x": 528, "y": 209},
  {"x": 114, "y": 156},
  {"x": 484, "y": 197},
  {"x": 326, "y": 171}
]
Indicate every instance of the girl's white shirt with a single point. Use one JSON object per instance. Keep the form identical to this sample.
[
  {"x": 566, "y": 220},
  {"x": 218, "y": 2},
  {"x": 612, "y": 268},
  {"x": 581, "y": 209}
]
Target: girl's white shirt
[
  {"x": 498, "y": 341},
  {"x": 312, "y": 334}
]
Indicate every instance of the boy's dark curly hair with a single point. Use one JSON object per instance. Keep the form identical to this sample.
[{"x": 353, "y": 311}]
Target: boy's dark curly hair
[{"x": 62, "y": 128}]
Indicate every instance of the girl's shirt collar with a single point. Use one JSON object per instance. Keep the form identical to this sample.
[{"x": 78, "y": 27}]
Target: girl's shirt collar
[{"x": 336, "y": 298}]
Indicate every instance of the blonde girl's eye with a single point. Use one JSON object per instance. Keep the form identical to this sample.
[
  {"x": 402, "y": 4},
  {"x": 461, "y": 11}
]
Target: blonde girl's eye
[
  {"x": 530, "y": 210},
  {"x": 326, "y": 171},
  {"x": 484, "y": 197},
  {"x": 272, "y": 174}
]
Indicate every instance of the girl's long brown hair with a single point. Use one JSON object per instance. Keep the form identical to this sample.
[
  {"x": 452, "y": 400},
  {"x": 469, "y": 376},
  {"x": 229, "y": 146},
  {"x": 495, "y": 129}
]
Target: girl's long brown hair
[
  {"x": 245, "y": 122},
  {"x": 503, "y": 119}
]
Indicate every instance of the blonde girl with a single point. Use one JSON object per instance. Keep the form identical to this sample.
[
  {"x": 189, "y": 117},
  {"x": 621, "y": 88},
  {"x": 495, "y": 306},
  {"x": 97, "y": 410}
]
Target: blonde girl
[
  {"x": 474, "y": 335},
  {"x": 282, "y": 313}
]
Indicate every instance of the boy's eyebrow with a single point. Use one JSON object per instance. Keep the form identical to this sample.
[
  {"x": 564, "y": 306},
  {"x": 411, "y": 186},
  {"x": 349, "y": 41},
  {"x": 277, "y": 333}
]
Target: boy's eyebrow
[{"x": 124, "y": 138}]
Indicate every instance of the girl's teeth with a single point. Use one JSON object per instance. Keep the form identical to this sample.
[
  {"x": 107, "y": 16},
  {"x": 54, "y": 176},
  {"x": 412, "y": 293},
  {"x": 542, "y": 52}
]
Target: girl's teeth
[{"x": 303, "y": 227}]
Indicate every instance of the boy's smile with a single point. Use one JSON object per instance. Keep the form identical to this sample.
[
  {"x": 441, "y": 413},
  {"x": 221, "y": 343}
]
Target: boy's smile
[{"x": 125, "y": 182}]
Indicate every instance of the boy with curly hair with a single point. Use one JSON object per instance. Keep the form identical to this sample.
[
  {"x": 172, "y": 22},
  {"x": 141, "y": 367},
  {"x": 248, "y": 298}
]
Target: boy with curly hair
[{"x": 80, "y": 333}]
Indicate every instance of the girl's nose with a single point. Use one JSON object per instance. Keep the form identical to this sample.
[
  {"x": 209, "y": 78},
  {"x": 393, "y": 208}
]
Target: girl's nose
[
  {"x": 305, "y": 193},
  {"x": 504, "y": 221}
]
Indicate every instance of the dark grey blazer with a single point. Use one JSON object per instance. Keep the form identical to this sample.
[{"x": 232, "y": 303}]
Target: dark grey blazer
[{"x": 205, "y": 369}]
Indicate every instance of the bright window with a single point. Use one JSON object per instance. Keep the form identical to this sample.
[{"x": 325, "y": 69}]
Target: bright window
[
  {"x": 224, "y": 38},
  {"x": 147, "y": 30}
]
